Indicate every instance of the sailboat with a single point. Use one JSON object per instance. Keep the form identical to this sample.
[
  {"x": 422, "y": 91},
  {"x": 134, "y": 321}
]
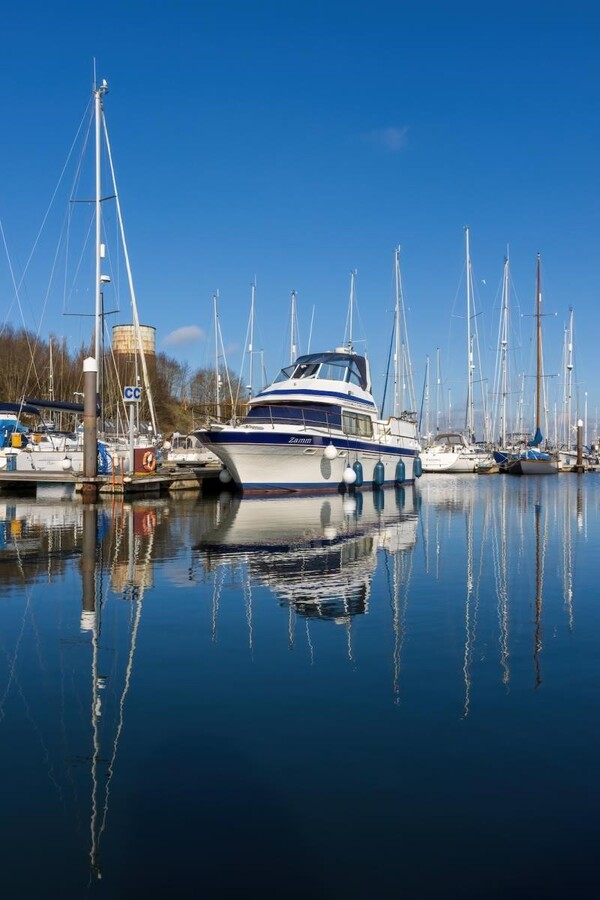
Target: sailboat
[
  {"x": 532, "y": 460},
  {"x": 454, "y": 451},
  {"x": 48, "y": 450}
]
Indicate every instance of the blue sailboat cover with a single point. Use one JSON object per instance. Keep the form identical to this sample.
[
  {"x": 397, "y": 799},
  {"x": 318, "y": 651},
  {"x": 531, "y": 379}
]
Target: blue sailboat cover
[{"x": 537, "y": 439}]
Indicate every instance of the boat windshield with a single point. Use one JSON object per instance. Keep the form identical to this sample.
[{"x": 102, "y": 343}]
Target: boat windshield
[
  {"x": 307, "y": 416},
  {"x": 330, "y": 366}
]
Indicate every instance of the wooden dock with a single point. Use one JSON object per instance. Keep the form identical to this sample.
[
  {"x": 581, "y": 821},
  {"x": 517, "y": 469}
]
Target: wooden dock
[{"x": 67, "y": 484}]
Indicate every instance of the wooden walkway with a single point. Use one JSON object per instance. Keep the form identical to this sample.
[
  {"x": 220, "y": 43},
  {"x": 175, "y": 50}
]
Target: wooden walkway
[{"x": 164, "y": 480}]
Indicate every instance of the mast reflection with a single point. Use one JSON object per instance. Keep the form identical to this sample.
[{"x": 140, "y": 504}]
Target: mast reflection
[{"x": 502, "y": 530}]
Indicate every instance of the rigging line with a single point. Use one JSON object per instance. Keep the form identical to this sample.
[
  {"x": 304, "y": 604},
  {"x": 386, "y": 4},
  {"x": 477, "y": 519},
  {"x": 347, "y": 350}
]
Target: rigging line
[
  {"x": 12, "y": 275},
  {"x": 51, "y": 203},
  {"x": 248, "y": 348},
  {"x": 13, "y": 665},
  {"x": 227, "y": 371},
  {"x": 387, "y": 367},
  {"x": 46, "y": 753},
  {"x": 147, "y": 386},
  {"x": 405, "y": 346}
]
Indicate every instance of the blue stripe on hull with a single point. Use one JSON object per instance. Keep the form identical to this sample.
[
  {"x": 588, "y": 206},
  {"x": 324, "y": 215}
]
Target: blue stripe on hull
[{"x": 293, "y": 440}]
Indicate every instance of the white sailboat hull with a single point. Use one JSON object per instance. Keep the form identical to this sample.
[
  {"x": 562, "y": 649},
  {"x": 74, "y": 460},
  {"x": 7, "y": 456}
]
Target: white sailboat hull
[
  {"x": 450, "y": 462},
  {"x": 452, "y": 453}
]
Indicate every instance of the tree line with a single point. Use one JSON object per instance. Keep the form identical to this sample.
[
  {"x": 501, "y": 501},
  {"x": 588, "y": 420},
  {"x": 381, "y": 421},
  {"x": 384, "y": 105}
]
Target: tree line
[{"x": 184, "y": 398}]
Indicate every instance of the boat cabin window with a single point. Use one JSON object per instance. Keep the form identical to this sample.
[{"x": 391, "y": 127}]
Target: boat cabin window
[
  {"x": 355, "y": 423},
  {"x": 321, "y": 416},
  {"x": 330, "y": 366}
]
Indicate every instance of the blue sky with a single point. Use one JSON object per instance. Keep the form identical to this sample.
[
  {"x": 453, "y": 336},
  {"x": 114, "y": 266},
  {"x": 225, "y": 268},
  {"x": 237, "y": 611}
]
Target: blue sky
[{"x": 294, "y": 142}]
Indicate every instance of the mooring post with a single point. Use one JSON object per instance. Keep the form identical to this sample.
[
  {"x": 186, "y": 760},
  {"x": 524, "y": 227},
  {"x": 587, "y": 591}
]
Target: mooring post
[
  {"x": 88, "y": 568},
  {"x": 579, "y": 465},
  {"x": 90, "y": 426}
]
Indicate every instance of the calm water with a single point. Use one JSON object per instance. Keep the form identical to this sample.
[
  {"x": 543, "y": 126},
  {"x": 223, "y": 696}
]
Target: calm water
[{"x": 397, "y": 696}]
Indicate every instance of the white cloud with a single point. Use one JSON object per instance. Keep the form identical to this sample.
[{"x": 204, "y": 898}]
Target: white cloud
[
  {"x": 392, "y": 139},
  {"x": 188, "y": 334}
]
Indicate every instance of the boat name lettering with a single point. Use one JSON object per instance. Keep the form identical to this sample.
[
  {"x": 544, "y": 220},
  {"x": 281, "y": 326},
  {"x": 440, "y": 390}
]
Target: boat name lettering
[{"x": 306, "y": 440}]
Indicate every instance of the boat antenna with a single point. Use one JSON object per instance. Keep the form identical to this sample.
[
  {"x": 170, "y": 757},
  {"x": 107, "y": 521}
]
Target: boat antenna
[
  {"x": 312, "y": 319},
  {"x": 351, "y": 309},
  {"x": 293, "y": 328}
]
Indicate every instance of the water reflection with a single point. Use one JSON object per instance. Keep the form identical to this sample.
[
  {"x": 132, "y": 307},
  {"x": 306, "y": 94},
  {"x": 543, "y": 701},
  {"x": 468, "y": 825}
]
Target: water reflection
[
  {"x": 463, "y": 602},
  {"x": 317, "y": 555},
  {"x": 503, "y": 532},
  {"x": 114, "y": 548}
]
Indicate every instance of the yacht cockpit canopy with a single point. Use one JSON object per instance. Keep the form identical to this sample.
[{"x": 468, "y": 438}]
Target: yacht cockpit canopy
[{"x": 332, "y": 366}]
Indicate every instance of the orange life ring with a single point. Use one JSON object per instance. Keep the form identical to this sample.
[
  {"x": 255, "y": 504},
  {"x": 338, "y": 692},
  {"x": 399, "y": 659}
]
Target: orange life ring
[{"x": 149, "y": 461}]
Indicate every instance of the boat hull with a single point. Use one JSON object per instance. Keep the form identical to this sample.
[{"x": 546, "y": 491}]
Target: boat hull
[
  {"x": 528, "y": 466},
  {"x": 315, "y": 553},
  {"x": 294, "y": 461},
  {"x": 451, "y": 453},
  {"x": 449, "y": 462}
]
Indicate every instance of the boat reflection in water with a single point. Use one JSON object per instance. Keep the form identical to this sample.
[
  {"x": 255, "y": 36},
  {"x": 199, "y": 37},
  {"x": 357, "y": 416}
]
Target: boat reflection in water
[
  {"x": 461, "y": 679},
  {"x": 316, "y": 554}
]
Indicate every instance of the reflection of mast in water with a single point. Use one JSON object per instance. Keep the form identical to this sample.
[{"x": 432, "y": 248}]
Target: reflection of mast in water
[
  {"x": 249, "y": 613},
  {"x": 401, "y": 576},
  {"x": 472, "y": 595},
  {"x": 398, "y": 577},
  {"x": 469, "y": 626},
  {"x": 216, "y": 596},
  {"x": 91, "y": 621},
  {"x": 349, "y": 639},
  {"x": 567, "y": 546},
  {"x": 539, "y": 583},
  {"x": 501, "y": 576},
  {"x": 310, "y": 643}
]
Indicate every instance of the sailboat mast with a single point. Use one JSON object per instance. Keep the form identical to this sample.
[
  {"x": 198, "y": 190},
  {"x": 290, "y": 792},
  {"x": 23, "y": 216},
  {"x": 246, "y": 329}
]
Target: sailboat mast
[
  {"x": 398, "y": 398},
  {"x": 51, "y": 373},
  {"x": 569, "y": 380},
  {"x": 438, "y": 391},
  {"x": 427, "y": 428},
  {"x": 470, "y": 422},
  {"x": 539, "y": 348},
  {"x": 217, "y": 376},
  {"x": 251, "y": 342},
  {"x": 98, "y": 94},
  {"x": 504, "y": 349},
  {"x": 293, "y": 348}
]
